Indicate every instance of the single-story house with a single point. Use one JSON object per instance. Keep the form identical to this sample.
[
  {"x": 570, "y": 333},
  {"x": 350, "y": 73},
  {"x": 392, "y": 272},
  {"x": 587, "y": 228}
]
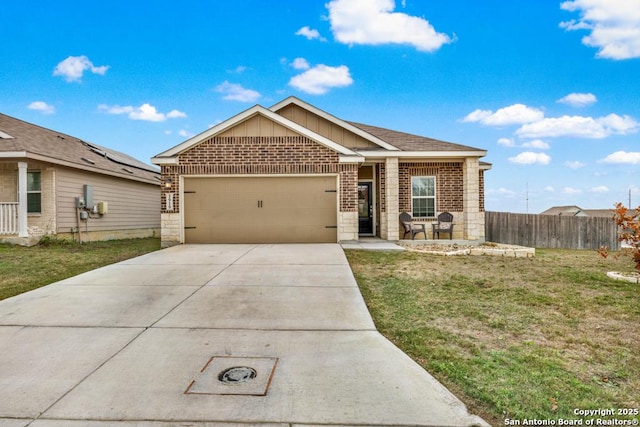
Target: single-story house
[
  {"x": 295, "y": 173},
  {"x": 578, "y": 211},
  {"x": 56, "y": 184}
]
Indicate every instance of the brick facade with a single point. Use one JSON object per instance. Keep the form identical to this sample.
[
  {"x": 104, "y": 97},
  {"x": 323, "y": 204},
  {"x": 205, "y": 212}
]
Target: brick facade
[
  {"x": 283, "y": 155},
  {"x": 449, "y": 184}
]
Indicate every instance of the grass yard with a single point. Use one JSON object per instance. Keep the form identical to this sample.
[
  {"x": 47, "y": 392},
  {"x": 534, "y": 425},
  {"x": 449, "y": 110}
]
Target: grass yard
[
  {"x": 518, "y": 338},
  {"x": 25, "y": 268}
]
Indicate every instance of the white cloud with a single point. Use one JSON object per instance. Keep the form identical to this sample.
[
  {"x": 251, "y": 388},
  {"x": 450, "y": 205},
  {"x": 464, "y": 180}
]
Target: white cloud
[
  {"x": 600, "y": 189},
  {"x": 42, "y": 106},
  {"x": 549, "y": 188},
  {"x": 310, "y": 33},
  {"x": 578, "y": 99},
  {"x": 300, "y": 64},
  {"x": 145, "y": 112},
  {"x": 235, "y": 92},
  {"x": 175, "y": 114},
  {"x": 578, "y": 126},
  {"x": 74, "y": 67},
  {"x": 319, "y": 79},
  {"x": 373, "y": 22},
  {"x": 536, "y": 143},
  {"x": 531, "y": 158},
  {"x": 238, "y": 70},
  {"x": 574, "y": 164},
  {"x": 513, "y": 114},
  {"x": 185, "y": 133},
  {"x": 571, "y": 190},
  {"x": 614, "y": 26},
  {"x": 506, "y": 142},
  {"x": 622, "y": 157}
]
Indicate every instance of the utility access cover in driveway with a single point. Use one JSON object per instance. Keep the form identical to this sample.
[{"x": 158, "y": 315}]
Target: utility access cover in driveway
[{"x": 249, "y": 376}]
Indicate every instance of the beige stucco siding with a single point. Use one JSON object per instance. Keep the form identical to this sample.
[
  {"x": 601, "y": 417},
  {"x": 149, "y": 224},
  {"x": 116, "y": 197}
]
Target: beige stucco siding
[
  {"x": 324, "y": 127},
  {"x": 132, "y": 205}
]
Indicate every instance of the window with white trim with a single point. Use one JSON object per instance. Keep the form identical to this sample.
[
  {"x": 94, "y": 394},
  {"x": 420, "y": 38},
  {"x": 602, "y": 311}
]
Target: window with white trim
[
  {"x": 423, "y": 196},
  {"x": 34, "y": 192}
]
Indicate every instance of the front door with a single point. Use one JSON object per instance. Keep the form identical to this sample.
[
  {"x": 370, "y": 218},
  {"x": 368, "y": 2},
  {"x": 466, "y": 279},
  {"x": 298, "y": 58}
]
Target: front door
[{"x": 365, "y": 208}]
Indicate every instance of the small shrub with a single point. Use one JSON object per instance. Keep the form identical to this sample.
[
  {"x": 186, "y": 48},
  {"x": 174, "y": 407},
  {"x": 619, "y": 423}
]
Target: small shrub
[{"x": 628, "y": 221}]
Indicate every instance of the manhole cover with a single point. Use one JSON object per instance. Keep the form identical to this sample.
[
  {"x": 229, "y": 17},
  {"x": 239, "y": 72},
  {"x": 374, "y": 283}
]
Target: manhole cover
[
  {"x": 225, "y": 375},
  {"x": 237, "y": 375}
]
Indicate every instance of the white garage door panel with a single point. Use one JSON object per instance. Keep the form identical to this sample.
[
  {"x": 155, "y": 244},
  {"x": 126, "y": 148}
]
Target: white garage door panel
[{"x": 260, "y": 209}]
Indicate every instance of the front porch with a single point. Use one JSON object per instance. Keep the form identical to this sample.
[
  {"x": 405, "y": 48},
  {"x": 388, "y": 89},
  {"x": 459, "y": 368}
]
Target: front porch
[{"x": 13, "y": 204}]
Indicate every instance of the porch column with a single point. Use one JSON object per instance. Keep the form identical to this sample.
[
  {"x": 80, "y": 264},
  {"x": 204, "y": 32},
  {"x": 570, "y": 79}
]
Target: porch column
[
  {"x": 392, "y": 198},
  {"x": 473, "y": 220},
  {"x": 22, "y": 200}
]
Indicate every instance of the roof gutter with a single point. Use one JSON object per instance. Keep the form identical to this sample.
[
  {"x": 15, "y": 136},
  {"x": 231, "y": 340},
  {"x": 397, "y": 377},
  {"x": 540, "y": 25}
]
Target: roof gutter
[
  {"x": 164, "y": 160},
  {"x": 422, "y": 154}
]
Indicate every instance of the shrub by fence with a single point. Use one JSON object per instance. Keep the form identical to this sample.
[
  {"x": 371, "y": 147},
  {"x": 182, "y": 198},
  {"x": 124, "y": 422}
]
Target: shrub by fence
[{"x": 551, "y": 231}]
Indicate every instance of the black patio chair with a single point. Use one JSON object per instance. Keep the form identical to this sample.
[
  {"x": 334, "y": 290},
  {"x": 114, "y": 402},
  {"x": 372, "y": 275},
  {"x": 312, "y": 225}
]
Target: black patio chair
[
  {"x": 411, "y": 227},
  {"x": 444, "y": 225}
]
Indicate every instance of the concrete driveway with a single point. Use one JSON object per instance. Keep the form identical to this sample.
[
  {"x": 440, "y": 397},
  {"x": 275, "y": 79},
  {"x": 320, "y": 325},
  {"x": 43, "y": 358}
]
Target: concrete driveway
[{"x": 211, "y": 335}]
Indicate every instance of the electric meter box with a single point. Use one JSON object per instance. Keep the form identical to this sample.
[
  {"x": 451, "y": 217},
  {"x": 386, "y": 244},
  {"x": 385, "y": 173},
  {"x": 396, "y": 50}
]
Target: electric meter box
[
  {"x": 88, "y": 195},
  {"x": 80, "y": 202}
]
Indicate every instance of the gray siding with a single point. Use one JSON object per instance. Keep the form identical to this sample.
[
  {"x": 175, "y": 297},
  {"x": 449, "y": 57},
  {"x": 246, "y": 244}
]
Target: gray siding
[{"x": 132, "y": 204}]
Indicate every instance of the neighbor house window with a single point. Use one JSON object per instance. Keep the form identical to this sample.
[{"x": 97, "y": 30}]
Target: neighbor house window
[
  {"x": 423, "y": 196},
  {"x": 34, "y": 192}
]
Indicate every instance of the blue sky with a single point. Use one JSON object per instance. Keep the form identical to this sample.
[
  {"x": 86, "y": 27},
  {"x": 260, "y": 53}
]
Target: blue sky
[{"x": 550, "y": 88}]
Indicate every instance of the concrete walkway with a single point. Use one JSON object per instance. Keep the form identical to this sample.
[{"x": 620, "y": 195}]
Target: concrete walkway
[{"x": 146, "y": 343}]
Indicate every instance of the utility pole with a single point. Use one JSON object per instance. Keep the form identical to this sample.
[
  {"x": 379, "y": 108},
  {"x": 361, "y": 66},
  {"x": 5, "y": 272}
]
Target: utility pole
[{"x": 527, "y": 197}]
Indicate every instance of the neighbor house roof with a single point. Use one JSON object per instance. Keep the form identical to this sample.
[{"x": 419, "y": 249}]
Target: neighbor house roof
[
  {"x": 578, "y": 211},
  {"x": 19, "y": 139}
]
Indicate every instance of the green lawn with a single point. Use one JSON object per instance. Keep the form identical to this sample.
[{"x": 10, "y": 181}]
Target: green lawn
[
  {"x": 25, "y": 268},
  {"x": 512, "y": 337}
]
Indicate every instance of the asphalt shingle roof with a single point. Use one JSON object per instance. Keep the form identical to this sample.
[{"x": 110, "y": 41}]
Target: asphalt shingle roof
[
  {"x": 59, "y": 148},
  {"x": 409, "y": 142}
]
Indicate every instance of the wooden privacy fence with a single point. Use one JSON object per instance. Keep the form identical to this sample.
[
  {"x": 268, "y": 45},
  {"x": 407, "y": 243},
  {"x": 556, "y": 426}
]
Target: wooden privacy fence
[{"x": 551, "y": 231}]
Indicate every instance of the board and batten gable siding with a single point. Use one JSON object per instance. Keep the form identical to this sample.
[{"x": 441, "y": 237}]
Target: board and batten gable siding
[
  {"x": 324, "y": 127},
  {"x": 258, "y": 126},
  {"x": 132, "y": 204}
]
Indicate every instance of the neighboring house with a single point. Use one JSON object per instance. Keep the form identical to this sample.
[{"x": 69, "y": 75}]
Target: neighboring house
[
  {"x": 578, "y": 211},
  {"x": 47, "y": 176},
  {"x": 295, "y": 173}
]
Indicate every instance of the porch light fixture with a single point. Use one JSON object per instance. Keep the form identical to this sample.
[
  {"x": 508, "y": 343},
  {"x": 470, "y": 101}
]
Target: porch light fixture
[{"x": 168, "y": 182}]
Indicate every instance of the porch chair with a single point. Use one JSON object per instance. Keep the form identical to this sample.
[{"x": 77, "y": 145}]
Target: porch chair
[
  {"x": 444, "y": 225},
  {"x": 411, "y": 227}
]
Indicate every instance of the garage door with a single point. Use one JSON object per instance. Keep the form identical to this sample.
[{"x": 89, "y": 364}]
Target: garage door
[{"x": 260, "y": 209}]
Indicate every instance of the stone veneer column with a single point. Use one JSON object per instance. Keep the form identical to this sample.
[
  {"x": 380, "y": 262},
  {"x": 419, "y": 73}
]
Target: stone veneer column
[
  {"x": 473, "y": 219},
  {"x": 170, "y": 229},
  {"x": 392, "y": 200}
]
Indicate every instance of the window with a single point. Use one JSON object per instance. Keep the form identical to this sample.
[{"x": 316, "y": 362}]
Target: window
[
  {"x": 34, "y": 192},
  {"x": 423, "y": 196}
]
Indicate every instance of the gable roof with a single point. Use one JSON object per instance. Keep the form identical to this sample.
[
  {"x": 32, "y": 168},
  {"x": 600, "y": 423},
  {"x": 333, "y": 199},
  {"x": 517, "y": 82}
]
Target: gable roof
[
  {"x": 392, "y": 143},
  {"x": 168, "y": 156},
  {"x": 342, "y": 123},
  {"x": 20, "y": 139}
]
